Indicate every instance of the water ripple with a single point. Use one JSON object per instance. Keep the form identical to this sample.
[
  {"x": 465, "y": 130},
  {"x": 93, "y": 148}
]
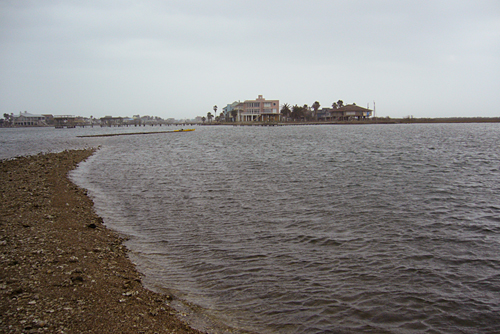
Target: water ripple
[{"x": 370, "y": 229}]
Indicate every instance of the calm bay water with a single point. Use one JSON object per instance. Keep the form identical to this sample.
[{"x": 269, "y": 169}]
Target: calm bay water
[{"x": 312, "y": 229}]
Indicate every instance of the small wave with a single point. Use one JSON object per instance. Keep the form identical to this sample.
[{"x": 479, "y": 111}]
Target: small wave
[
  {"x": 313, "y": 240},
  {"x": 390, "y": 238}
]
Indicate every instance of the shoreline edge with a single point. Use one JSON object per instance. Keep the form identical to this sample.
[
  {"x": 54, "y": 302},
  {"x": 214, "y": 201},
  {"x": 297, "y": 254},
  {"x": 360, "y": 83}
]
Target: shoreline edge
[{"x": 63, "y": 271}]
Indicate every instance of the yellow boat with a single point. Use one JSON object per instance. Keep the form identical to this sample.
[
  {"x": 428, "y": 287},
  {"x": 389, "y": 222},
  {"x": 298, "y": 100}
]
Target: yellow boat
[{"x": 182, "y": 130}]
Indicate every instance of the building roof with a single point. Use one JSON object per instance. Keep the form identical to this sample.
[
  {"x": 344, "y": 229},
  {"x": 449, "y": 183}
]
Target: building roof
[
  {"x": 260, "y": 98},
  {"x": 27, "y": 115},
  {"x": 352, "y": 107}
]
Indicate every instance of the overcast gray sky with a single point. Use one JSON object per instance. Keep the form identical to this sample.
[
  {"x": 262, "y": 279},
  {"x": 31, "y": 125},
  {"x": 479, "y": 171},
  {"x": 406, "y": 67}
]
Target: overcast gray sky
[{"x": 178, "y": 58}]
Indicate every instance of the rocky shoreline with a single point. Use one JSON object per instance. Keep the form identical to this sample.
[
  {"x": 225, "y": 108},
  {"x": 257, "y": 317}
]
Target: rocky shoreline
[{"x": 62, "y": 270}]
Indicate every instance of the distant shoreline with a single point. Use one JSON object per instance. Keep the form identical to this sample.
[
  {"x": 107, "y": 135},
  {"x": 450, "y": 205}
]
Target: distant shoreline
[
  {"x": 373, "y": 120},
  {"x": 377, "y": 120}
]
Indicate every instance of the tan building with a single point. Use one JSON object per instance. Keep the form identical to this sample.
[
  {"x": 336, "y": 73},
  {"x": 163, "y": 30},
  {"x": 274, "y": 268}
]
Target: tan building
[
  {"x": 27, "y": 119},
  {"x": 345, "y": 113},
  {"x": 259, "y": 110}
]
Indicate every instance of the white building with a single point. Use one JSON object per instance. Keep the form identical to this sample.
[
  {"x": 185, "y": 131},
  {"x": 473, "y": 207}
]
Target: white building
[{"x": 27, "y": 119}]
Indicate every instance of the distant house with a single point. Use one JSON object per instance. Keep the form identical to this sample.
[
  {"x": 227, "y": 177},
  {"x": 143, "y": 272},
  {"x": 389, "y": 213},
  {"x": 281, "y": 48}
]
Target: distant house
[
  {"x": 111, "y": 121},
  {"x": 259, "y": 109},
  {"x": 228, "y": 109},
  {"x": 27, "y": 119},
  {"x": 345, "y": 113},
  {"x": 49, "y": 119},
  {"x": 62, "y": 121}
]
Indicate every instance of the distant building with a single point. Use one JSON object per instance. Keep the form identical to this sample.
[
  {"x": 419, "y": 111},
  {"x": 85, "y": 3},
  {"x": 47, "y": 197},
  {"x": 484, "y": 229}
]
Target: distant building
[
  {"x": 259, "y": 109},
  {"x": 345, "y": 113},
  {"x": 27, "y": 119},
  {"x": 228, "y": 110},
  {"x": 64, "y": 121},
  {"x": 111, "y": 121}
]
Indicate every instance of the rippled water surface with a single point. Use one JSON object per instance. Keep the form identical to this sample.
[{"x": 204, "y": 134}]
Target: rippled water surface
[
  {"x": 314, "y": 229},
  {"x": 28, "y": 141}
]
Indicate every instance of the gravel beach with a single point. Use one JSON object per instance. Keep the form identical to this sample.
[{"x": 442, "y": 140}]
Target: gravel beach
[{"x": 61, "y": 270}]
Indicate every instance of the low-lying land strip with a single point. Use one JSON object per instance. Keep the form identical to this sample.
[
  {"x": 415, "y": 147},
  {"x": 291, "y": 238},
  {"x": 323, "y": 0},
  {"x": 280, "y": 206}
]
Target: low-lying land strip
[
  {"x": 373, "y": 120},
  {"x": 61, "y": 270},
  {"x": 135, "y": 133}
]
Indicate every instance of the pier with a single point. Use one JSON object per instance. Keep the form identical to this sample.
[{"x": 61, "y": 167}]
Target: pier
[{"x": 64, "y": 121}]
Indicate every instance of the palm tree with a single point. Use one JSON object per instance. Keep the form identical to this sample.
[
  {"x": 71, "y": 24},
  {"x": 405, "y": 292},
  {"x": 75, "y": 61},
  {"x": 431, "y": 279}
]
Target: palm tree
[
  {"x": 297, "y": 112},
  {"x": 340, "y": 103},
  {"x": 285, "y": 110},
  {"x": 8, "y": 119},
  {"x": 334, "y": 105},
  {"x": 234, "y": 113},
  {"x": 316, "y": 106},
  {"x": 203, "y": 119},
  {"x": 307, "y": 112},
  {"x": 209, "y": 117},
  {"x": 215, "y": 110}
]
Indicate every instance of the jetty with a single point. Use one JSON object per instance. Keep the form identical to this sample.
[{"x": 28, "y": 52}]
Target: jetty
[{"x": 135, "y": 133}]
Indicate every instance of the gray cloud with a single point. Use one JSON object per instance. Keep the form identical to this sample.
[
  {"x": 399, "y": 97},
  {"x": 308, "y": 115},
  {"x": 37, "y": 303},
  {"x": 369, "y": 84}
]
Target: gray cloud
[{"x": 179, "y": 58}]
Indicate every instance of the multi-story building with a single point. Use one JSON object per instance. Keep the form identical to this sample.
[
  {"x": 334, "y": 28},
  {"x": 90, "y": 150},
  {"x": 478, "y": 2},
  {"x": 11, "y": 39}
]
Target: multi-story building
[
  {"x": 228, "y": 110},
  {"x": 27, "y": 119},
  {"x": 258, "y": 110}
]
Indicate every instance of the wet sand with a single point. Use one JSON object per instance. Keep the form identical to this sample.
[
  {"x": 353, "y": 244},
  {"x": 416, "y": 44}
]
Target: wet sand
[{"x": 61, "y": 270}]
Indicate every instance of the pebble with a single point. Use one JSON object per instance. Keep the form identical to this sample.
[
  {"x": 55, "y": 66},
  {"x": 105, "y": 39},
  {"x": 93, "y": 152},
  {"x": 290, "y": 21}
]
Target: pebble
[{"x": 60, "y": 275}]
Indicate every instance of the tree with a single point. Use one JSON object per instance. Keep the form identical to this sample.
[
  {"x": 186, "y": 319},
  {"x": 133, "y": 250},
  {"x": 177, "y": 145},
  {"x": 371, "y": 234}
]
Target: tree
[
  {"x": 203, "y": 119},
  {"x": 334, "y": 105},
  {"x": 307, "y": 112},
  {"x": 340, "y": 103},
  {"x": 209, "y": 117},
  {"x": 215, "y": 110},
  {"x": 285, "y": 110},
  {"x": 234, "y": 114},
  {"x": 316, "y": 106},
  {"x": 8, "y": 118},
  {"x": 297, "y": 112}
]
